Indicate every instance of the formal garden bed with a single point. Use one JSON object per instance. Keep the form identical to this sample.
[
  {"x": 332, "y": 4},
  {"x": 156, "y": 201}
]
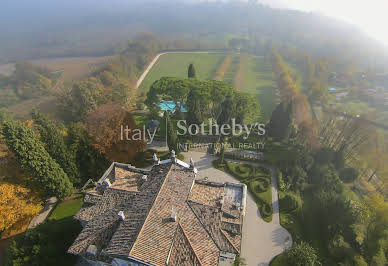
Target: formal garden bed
[{"x": 258, "y": 181}]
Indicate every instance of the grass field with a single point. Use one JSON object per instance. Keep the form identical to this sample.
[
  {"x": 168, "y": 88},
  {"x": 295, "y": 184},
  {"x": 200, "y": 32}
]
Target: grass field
[
  {"x": 258, "y": 80},
  {"x": 231, "y": 72},
  {"x": 176, "y": 64}
]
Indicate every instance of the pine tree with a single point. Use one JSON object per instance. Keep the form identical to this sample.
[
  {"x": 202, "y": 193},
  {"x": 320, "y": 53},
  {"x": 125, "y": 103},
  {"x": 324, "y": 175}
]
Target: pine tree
[
  {"x": 191, "y": 71},
  {"x": 33, "y": 157}
]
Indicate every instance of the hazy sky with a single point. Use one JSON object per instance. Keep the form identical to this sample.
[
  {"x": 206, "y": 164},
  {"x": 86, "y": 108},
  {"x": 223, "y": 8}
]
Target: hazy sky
[{"x": 370, "y": 15}]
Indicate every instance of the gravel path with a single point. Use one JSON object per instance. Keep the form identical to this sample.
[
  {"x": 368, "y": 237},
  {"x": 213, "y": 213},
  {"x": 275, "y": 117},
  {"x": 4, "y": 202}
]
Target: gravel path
[{"x": 262, "y": 241}]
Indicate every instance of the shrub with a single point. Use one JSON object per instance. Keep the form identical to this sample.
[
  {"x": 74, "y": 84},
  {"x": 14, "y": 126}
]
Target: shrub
[
  {"x": 266, "y": 209},
  {"x": 238, "y": 169},
  {"x": 348, "y": 175},
  {"x": 359, "y": 261},
  {"x": 283, "y": 186},
  {"x": 302, "y": 254},
  {"x": 288, "y": 203},
  {"x": 262, "y": 185}
]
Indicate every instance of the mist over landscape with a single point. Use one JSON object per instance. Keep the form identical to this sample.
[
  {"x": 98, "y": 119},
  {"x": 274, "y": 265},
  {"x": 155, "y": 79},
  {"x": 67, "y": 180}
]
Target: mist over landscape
[
  {"x": 188, "y": 132},
  {"x": 49, "y": 28}
]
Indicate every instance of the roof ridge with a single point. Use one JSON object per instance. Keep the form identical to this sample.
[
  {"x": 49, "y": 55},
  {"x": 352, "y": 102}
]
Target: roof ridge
[
  {"x": 204, "y": 227},
  {"x": 190, "y": 244},
  {"x": 229, "y": 240},
  {"x": 148, "y": 214},
  {"x": 200, "y": 203}
]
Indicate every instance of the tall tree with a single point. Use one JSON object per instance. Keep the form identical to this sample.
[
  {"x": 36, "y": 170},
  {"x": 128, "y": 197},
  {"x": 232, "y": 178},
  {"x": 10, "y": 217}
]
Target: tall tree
[
  {"x": 193, "y": 104},
  {"x": 33, "y": 157},
  {"x": 172, "y": 138},
  {"x": 107, "y": 125},
  {"x": 90, "y": 162},
  {"x": 191, "y": 71},
  {"x": 55, "y": 145},
  {"x": 281, "y": 123}
]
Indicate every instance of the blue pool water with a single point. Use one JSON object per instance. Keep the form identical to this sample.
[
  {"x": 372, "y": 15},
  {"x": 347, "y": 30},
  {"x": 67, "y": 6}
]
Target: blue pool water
[{"x": 170, "y": 106}]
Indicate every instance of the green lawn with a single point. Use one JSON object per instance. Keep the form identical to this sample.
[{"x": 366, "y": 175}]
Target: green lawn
[
  {"x": 66, "y": 209},
  {"x": 231, "y": 72},
  {"x": 176, "y": 64},
  {"x": 258, "y": 80}
]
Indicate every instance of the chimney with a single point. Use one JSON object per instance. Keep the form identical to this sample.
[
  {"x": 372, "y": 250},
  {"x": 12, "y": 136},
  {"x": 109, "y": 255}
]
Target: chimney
[
  {"x": 122, "y": 216},
  {"x": 172, "y": 154},
  {"x": 155, "y": 159},
  {"x": 191, "y": 163},
  {"x": 107, "y": 182},
  {"x": 173, "y": 216}
]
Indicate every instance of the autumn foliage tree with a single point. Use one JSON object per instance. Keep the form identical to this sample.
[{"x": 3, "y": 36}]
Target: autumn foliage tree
[
  {"x": 16, "y": 203},
  {"x": 301, "y": 110},
  {"x": 104, "y": 126}
]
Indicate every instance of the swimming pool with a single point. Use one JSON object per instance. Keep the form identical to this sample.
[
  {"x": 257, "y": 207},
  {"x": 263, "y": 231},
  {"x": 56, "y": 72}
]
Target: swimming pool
[{"x": 170, "y": 106}]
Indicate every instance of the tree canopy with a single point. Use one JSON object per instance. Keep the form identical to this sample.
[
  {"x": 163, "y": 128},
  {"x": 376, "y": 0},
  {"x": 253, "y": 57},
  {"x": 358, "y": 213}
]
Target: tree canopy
[
  {"x": 207, "y": 98},
  {"x": 54, "y": 141},
  {"x": 104, "y": 126},
  {"x": 33, "y": 157}
]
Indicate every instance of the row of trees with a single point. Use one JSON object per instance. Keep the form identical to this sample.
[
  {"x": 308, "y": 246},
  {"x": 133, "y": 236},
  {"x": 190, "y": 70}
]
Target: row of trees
[
  {"x": 33, "y": 157},
  {"x": 317, "y": 173},
  {"x": 294, "y": 112}
]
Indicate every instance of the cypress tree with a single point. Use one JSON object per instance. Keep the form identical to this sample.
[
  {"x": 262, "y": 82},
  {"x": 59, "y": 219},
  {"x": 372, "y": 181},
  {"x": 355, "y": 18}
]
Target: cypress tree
[
  {"x": 193, "y": 103},
  {"x": 281, "y": 124},
  {"x": 191, "y": 71},
  {"x": 33, "y": 157},
  {"x": 172, "y": 138},
  {"x": 55, "y": 145}
]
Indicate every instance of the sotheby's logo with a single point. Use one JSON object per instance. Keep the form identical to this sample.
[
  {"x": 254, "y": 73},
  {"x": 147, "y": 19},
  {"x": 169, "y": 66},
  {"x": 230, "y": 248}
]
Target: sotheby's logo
[{"x": 211, "y": 128}]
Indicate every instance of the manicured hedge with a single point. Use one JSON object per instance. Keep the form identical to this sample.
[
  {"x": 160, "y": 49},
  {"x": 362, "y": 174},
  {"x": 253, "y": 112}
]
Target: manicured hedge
[
  {"x": 262, "y": 185},
  {"x": 288, "y": 203}
]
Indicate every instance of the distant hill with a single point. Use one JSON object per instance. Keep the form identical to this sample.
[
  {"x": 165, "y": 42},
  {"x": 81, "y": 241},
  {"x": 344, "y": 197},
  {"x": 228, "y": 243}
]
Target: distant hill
[{"x": 80, "y": 28}]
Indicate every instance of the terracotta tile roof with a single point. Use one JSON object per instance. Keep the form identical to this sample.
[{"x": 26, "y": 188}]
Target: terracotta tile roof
[
  {"x": 135, "y": 206},
  {"x": 205, "y": 194},
  {"x": 202, "y": 243},
  {"x": 210, "y": 218},
  {"x": 127, "y": 180},
  {"x": 182, "y": 252},
  {"x": 204, "y": 225},
  {"x": 158, "y": 228}
]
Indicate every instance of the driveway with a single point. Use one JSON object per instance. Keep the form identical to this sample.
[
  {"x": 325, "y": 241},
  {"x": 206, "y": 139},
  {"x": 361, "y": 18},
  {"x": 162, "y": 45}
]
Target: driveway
[{"x": 262, "y": 241}]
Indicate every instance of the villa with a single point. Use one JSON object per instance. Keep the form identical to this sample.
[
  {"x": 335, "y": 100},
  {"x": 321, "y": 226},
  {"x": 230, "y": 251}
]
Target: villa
[{"x": 161, "y": 216}]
